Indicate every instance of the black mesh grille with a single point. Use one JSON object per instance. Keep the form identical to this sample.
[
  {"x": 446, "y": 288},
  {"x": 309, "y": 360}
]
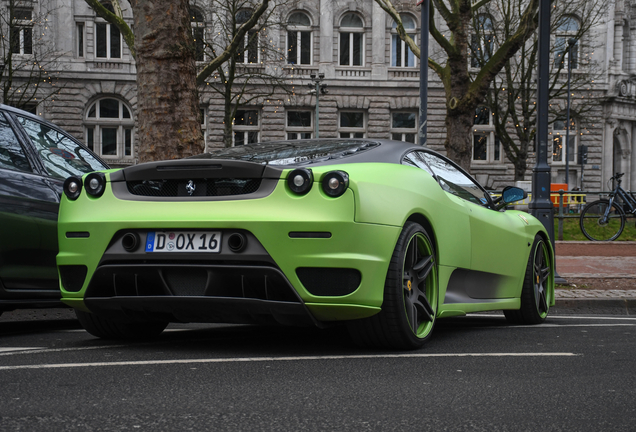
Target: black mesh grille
[
  {"x": 324, "y": 281},
  {"x": 193, "y": 187}
]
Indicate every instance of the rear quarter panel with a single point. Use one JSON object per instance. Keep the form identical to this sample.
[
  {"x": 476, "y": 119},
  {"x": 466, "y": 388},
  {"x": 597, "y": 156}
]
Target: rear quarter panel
[{"x": 388, "y": 194}]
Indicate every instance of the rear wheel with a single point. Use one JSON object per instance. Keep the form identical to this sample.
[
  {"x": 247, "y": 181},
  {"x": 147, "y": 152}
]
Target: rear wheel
[
  {"x": 110, "y": 329},
  {"x": 410, "y": 296},
  {"x": 596, "y": 227},
  {"x": 539, "y": 277}
]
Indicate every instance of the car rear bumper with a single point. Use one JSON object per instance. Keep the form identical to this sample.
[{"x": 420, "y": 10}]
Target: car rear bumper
[{"x": 306, "y": 260}]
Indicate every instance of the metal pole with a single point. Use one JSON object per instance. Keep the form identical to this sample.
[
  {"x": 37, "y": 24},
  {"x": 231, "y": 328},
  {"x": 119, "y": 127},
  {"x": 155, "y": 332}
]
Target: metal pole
[
  {"x": 540, "y": 206},
  {"x": 317, "y": 109},
  {"x": 567, "y": 124},
  {"x": 424, "y": 17}
]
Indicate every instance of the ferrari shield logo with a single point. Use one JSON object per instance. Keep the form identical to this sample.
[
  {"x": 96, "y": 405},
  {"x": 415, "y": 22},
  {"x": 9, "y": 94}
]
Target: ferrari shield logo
[{"x": 191, "y": 187}]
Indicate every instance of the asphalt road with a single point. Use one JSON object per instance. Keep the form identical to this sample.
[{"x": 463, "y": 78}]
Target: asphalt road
[{"x": 477, "y": 373}]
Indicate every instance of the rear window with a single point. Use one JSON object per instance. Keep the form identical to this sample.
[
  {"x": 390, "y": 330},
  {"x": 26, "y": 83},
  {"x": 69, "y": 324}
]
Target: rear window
[
  {"x": 61, "y": 155},
  {"x": 292, "y": 152}
]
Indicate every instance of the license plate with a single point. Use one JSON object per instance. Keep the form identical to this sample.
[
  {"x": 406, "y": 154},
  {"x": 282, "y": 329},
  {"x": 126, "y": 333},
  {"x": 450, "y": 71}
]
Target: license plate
[{"x": 183, "y": 241}]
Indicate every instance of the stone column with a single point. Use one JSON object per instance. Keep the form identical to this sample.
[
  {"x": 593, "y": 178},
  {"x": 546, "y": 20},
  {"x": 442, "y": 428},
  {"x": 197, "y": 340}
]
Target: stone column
[
  {"x": 326, "y": 39},
  {"x": 609, "y": 56},
  {"x": 378, "y": 39}
]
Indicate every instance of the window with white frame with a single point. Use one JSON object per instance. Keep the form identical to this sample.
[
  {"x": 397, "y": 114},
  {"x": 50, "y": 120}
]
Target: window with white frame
[
  {"x": 108, "y": 129},
  {"x": 351, "y": 40},
  {"x": 352, "y": 124},
  {"x": 404, "y": 126},
  {"x": 486, "y": 145},
  {"x": 567, "y": 28},
  {"x": 108, "y": 40},
  {"x": 482, "y": 42},
  {"x": 299, "y": 125},
  {"x": 401, "y": 54},
  {"x": 197, "y": 21},
  {"x": 247, "y": 52},
  {"x": 299, "y": 39},
  {"x": 21, "y": 36},
  {"x": 79, "y": 38},
  {"x": 246, "y": 127},
  {"x": 559, "y": 131}
]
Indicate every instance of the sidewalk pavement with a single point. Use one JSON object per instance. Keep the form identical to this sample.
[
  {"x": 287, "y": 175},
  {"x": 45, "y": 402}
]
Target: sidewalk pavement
[{"x": 601, "y": 276}]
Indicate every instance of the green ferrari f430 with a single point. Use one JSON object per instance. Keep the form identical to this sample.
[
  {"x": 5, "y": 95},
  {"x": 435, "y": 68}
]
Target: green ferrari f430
[{"x": 382, "y": 237}]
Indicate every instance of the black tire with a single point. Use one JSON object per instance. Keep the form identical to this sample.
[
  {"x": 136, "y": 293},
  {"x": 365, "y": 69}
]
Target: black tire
[
  {"x": 409, "y": 308},
  {"x": 109, "y": 329},
  {"x": 535, "y": 293},
  {"x": 593, "y": 226}
]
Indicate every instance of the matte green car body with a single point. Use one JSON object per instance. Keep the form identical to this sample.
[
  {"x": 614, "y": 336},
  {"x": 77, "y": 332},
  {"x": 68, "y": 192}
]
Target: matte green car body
[{"x": 364, "y": 223}]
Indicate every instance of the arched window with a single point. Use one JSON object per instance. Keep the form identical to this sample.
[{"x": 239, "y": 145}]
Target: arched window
[
  {"x": 299, "y": 39},
  {"x": 108, "y": 128},
  {"x": 559, "y": 130},
  {"x": 482, "y": 41},
  {"x": 197, "y": 21},
  {"x": 107, "y": 38},
  {"x": 401, "y": 54},
  {"x": 351, "y": 40},
  {"x": 566, "y": 31},
  {"x": 486, "y": 145},
  {"x": 248, "y": 52}
]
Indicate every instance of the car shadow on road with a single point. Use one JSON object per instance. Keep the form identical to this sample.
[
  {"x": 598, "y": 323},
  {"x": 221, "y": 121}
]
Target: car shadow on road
[{"x": 249, "y": 340}]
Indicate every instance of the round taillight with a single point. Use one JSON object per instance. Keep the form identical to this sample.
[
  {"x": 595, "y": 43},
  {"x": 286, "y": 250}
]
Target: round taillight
[
  {"x": 335, "y": 183},
  {"x": 95, "y": 184},
  {"x": 300, "y": 180},
  {"x": 72, "y": 187}
]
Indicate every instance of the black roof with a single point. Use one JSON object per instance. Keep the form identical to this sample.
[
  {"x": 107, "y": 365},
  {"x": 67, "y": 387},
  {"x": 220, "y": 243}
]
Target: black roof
[{"x": 316, "y": 152}]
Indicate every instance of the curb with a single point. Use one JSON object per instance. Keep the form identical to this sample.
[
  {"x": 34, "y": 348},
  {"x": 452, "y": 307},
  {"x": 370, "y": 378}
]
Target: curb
[{"x": 613, "y": 306}]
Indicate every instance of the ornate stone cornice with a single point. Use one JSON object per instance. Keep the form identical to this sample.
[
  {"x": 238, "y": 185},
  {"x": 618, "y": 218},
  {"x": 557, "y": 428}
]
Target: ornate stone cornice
[{"x": 626, "y": 88}]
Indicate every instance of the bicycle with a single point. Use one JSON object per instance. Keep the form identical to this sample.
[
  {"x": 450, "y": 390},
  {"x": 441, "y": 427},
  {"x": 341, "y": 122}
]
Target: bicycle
[{"x": 604, "y": 219}]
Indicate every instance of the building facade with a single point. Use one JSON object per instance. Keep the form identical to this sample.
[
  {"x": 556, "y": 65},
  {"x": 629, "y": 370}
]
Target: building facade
[{"x": 372, "y": 78}]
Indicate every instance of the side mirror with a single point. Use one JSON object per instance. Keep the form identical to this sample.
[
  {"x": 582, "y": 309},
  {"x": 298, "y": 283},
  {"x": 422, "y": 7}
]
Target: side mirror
[{"x": 510, "y": 195}]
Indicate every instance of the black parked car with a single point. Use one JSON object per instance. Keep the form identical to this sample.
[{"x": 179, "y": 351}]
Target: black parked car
[{"x": 35, "y": 159}]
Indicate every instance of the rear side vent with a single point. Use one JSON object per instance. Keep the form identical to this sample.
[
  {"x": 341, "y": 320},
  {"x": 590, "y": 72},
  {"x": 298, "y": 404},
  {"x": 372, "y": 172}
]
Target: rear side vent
[
  {"x": 73, "y": 277},
  {"x": 325, "y": 281}
]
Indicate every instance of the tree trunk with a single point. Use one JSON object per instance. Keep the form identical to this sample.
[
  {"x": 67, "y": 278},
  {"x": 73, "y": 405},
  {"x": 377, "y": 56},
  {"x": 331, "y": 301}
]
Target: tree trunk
[
  {"x": 458, "y": 137},
  {"x": 168, "y": 102},
  {"x": 227, "y": 124},
  {"x": 520, "y": 168}
]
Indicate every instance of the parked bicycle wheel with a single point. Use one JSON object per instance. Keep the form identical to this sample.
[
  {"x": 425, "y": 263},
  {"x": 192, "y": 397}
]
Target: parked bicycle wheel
[{"x": 596, "y": 226}]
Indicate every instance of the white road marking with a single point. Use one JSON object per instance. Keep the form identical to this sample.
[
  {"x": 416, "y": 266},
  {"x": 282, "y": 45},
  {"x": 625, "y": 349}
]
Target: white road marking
[
  {"x": 14, "y": 349},
  {"x": 568, "y": 317},
  {"x": 544, "y": 325},
  {"x": 52, "y": 350},
  {"x": 165, "y": 331},
  {"x": 277, "y": 359}
]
